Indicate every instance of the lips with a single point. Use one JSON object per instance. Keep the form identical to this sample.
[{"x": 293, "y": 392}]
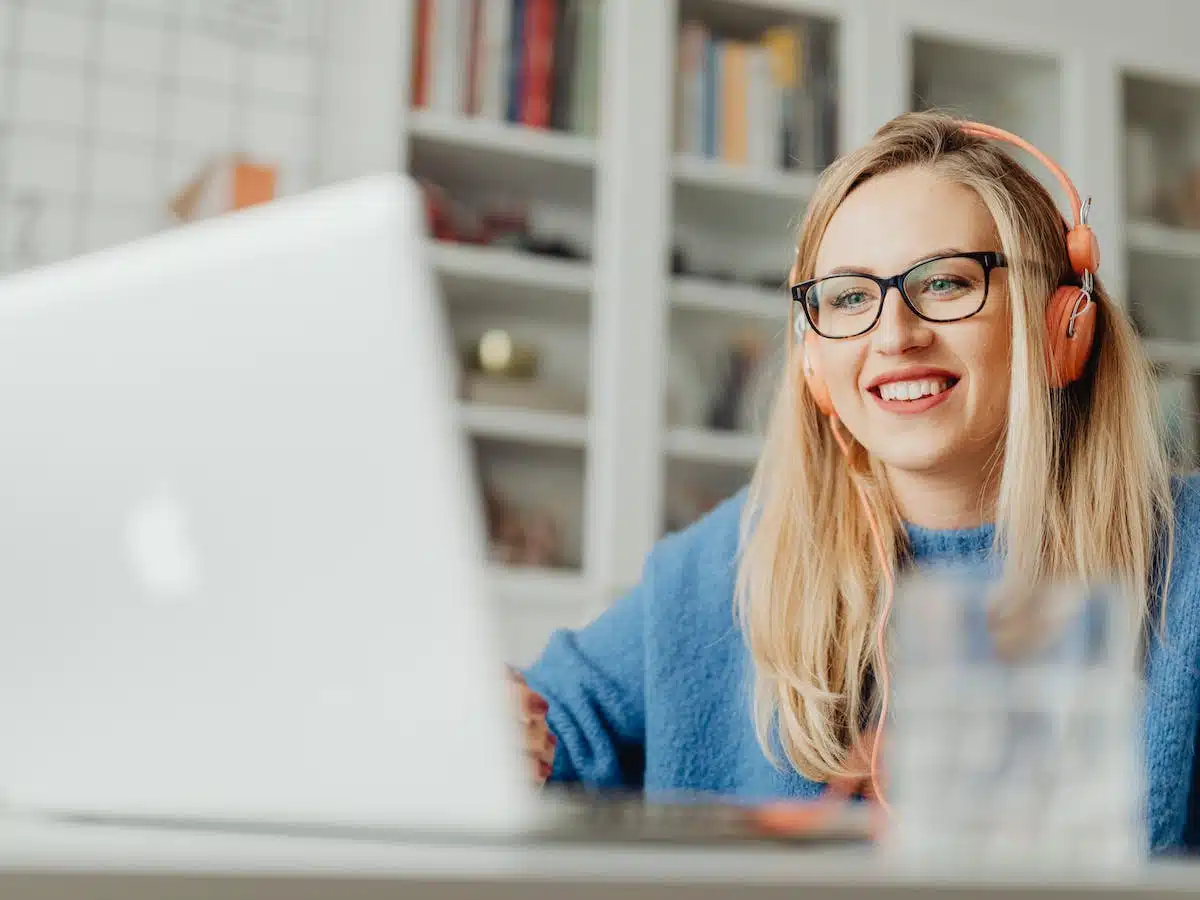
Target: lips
[{"x": 912, "y": 390}]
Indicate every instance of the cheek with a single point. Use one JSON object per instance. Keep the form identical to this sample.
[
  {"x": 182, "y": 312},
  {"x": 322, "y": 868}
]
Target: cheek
[
  {"x": 840, "y": 365},
  {"x": 992, "y": 375}
]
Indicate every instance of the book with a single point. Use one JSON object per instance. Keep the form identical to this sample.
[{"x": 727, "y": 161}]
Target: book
[
  {"x": 447, "y": 43},
  {"x": 497, "y": 19},
  {"x": 534, "y": 63},
  {"x": 422, "y": 73},
  {"x": 538, "y": 62},
  {"x": 565, "y": 64},
  {"x": 733, "y": 102},
  {"x": 585, "y": 99},
  {"x": 516, "y": 54}
]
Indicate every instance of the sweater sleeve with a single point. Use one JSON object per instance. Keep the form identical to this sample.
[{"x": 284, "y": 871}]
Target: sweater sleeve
[{"x": 593, "y": 680}]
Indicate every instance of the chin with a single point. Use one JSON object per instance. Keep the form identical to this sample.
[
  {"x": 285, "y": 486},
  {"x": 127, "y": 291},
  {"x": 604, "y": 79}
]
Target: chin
[{"x": 917, "y": 460}]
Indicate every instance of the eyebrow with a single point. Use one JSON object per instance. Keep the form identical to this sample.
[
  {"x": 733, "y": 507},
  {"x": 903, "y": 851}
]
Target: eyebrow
[{"x": 867, "y": 270}]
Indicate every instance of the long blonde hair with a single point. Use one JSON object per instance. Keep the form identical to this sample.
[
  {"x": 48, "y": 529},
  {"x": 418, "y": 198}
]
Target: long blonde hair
[{"x": 1083, "y": 490}]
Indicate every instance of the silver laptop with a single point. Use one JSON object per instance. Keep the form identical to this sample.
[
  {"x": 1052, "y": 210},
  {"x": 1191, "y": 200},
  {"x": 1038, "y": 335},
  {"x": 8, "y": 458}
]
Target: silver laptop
[{"x": 241, "y": 561}]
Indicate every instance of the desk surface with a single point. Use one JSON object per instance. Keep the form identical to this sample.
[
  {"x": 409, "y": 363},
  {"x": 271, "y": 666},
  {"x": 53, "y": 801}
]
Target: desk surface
[{"x": 43, "y": 854}]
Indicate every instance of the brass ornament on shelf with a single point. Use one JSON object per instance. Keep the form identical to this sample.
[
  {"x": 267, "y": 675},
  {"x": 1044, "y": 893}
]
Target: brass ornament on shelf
[{"x": 497, "y": 353}]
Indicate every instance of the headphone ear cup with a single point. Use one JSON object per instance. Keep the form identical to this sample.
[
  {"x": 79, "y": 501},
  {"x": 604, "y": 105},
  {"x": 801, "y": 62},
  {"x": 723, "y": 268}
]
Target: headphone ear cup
[
  {"x": 812, "y": 376},
  {"x": 1067, "y": 354}
]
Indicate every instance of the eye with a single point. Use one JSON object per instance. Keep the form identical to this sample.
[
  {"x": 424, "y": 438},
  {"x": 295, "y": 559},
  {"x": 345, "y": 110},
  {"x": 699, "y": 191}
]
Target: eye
[
  {"x": 850, "y": 300},
  {"x": 940, "y": 286}
]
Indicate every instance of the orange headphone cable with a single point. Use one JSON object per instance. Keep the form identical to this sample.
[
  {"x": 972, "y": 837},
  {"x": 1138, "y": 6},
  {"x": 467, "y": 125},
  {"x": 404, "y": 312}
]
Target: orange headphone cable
[{"x": 889, "y": 593}]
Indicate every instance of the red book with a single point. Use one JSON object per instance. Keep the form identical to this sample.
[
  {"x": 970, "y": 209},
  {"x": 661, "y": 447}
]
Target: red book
[
  {"x": 422, "y": 37},
  {"x": 538, "y": 64}
]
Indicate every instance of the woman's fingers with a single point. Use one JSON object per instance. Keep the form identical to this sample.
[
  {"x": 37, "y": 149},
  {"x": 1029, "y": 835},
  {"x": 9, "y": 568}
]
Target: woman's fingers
[
  {"x": 802, "y": 817},
  {"x": 540, "y": 769},
  {"x": 538, "y": 739},
  {"x": 533, "y": 704},
  {"x": 539, "y": 742}
]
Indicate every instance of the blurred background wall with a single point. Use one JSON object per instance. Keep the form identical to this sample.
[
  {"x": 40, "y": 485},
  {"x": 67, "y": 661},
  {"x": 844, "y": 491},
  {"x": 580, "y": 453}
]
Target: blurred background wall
[{"x": 612, "y": 189}]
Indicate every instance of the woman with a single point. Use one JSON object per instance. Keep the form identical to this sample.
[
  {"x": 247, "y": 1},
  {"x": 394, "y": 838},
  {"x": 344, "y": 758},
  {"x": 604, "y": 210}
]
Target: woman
[{"x": 746, "y": 662}]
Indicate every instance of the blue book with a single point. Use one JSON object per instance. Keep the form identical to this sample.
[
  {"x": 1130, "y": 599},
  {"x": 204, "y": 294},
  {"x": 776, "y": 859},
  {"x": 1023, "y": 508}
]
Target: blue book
[{"x": 516, "y": 60}]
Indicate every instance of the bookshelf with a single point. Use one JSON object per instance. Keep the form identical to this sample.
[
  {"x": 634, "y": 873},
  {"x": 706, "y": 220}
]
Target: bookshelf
[
  {"x": 756, "y": 117},
  {"x": 646, "y": 254},
  {"x": 688, "y": 245},
  {"x": 1161, "y": 172},
  {"x": 516, "y": 176}
]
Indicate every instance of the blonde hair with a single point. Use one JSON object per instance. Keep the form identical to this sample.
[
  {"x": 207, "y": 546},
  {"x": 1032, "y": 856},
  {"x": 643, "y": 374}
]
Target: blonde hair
[{"x": 1083, "y": 489}]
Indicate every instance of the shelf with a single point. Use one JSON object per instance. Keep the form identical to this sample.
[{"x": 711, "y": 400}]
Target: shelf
[
  {"x": 1179, "y": 355},
  {"x": 501, "y": 279},
  {"x": 528, "y": 586},
  {"x": 714, "y": 175},
  {"x": 525, "y": 426},
  {"x": 716, "y": 447},
  {"x": 502, "y": 137},
  {"x": 482, "y": 154},
  {"x": 705, "y": 295},
  {"x": 1163, "y": 240},
  {"x": 494, "y": 264}
]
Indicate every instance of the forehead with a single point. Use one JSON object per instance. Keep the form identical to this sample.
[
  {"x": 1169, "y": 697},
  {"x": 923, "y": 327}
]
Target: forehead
[{"x": 893, "y": 220}]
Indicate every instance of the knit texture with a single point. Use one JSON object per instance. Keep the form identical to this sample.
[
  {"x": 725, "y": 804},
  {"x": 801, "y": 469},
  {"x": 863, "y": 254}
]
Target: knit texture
[{"x": 655, "y": 693}]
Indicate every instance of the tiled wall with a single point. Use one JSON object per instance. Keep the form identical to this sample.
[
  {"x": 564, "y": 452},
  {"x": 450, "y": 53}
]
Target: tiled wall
[{"x": 107, "y": 107}]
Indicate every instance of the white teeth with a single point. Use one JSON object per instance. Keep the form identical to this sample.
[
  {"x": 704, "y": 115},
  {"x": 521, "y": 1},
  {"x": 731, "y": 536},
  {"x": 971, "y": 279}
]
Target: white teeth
[{"x": 912, "y": 390}]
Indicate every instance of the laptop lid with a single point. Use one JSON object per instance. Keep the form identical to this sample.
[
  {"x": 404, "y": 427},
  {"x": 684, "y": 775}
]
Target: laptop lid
[{"x": 241, "y": 562}]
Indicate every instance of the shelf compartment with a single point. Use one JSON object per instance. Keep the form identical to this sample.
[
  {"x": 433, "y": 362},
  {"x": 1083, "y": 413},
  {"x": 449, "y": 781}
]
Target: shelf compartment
[
  {"x": 1017, "y": 91},
  {"x": 478, "y": 154},
  {"x": 538, "y": 492},
  {"x": 1164, "y": 297},
  {"x": 508, "y": 281}
]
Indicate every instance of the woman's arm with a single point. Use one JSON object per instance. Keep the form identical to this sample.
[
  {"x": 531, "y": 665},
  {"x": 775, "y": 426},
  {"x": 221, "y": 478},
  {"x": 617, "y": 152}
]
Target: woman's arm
[{"x": 592, "y": 680}]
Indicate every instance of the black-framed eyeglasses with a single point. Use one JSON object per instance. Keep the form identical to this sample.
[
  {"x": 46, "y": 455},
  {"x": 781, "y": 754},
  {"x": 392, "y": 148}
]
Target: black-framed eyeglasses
[{"x": 941, "y": 289}]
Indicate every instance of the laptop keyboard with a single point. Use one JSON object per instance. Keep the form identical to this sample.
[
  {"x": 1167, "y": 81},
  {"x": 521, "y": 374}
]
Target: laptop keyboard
[{"x": 621, "y": 817}]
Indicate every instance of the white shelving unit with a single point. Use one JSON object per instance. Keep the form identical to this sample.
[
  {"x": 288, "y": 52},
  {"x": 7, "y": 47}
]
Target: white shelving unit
[
  {"x": 690, "y": 254},
  {"x": 1161, "y": 186},
  {"x": 679, "y": 257}
]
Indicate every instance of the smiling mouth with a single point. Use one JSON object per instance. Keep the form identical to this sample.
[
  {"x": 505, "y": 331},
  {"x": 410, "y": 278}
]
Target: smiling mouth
[{"x": 913, "y": 390}]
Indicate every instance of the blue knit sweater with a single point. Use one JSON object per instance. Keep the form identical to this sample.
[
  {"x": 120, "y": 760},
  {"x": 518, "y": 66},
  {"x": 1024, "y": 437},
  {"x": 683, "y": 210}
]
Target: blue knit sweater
[{"x": 652, "y": 694}]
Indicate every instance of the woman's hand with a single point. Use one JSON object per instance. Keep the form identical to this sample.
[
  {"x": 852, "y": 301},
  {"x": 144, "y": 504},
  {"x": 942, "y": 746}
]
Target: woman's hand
[
  {"x": 539, "y": 742},
  {"x": 796, "y": 818}
]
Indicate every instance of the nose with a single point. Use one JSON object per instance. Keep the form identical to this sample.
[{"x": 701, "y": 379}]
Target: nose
[{"x": 899, "y": 329}]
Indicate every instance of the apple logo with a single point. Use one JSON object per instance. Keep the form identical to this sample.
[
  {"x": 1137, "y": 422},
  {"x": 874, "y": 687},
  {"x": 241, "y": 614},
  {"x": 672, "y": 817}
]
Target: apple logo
[{"x": 161, "y": 549}]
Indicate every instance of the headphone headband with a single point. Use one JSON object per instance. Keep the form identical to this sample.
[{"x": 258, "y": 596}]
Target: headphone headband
[{"x": 1082, "y": 246}]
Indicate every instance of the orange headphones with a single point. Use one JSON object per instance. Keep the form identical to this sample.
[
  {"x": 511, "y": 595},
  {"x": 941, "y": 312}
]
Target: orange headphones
[
  {"x": 1070, "y": 331},
  {"x": 1071, "y": 312}
]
